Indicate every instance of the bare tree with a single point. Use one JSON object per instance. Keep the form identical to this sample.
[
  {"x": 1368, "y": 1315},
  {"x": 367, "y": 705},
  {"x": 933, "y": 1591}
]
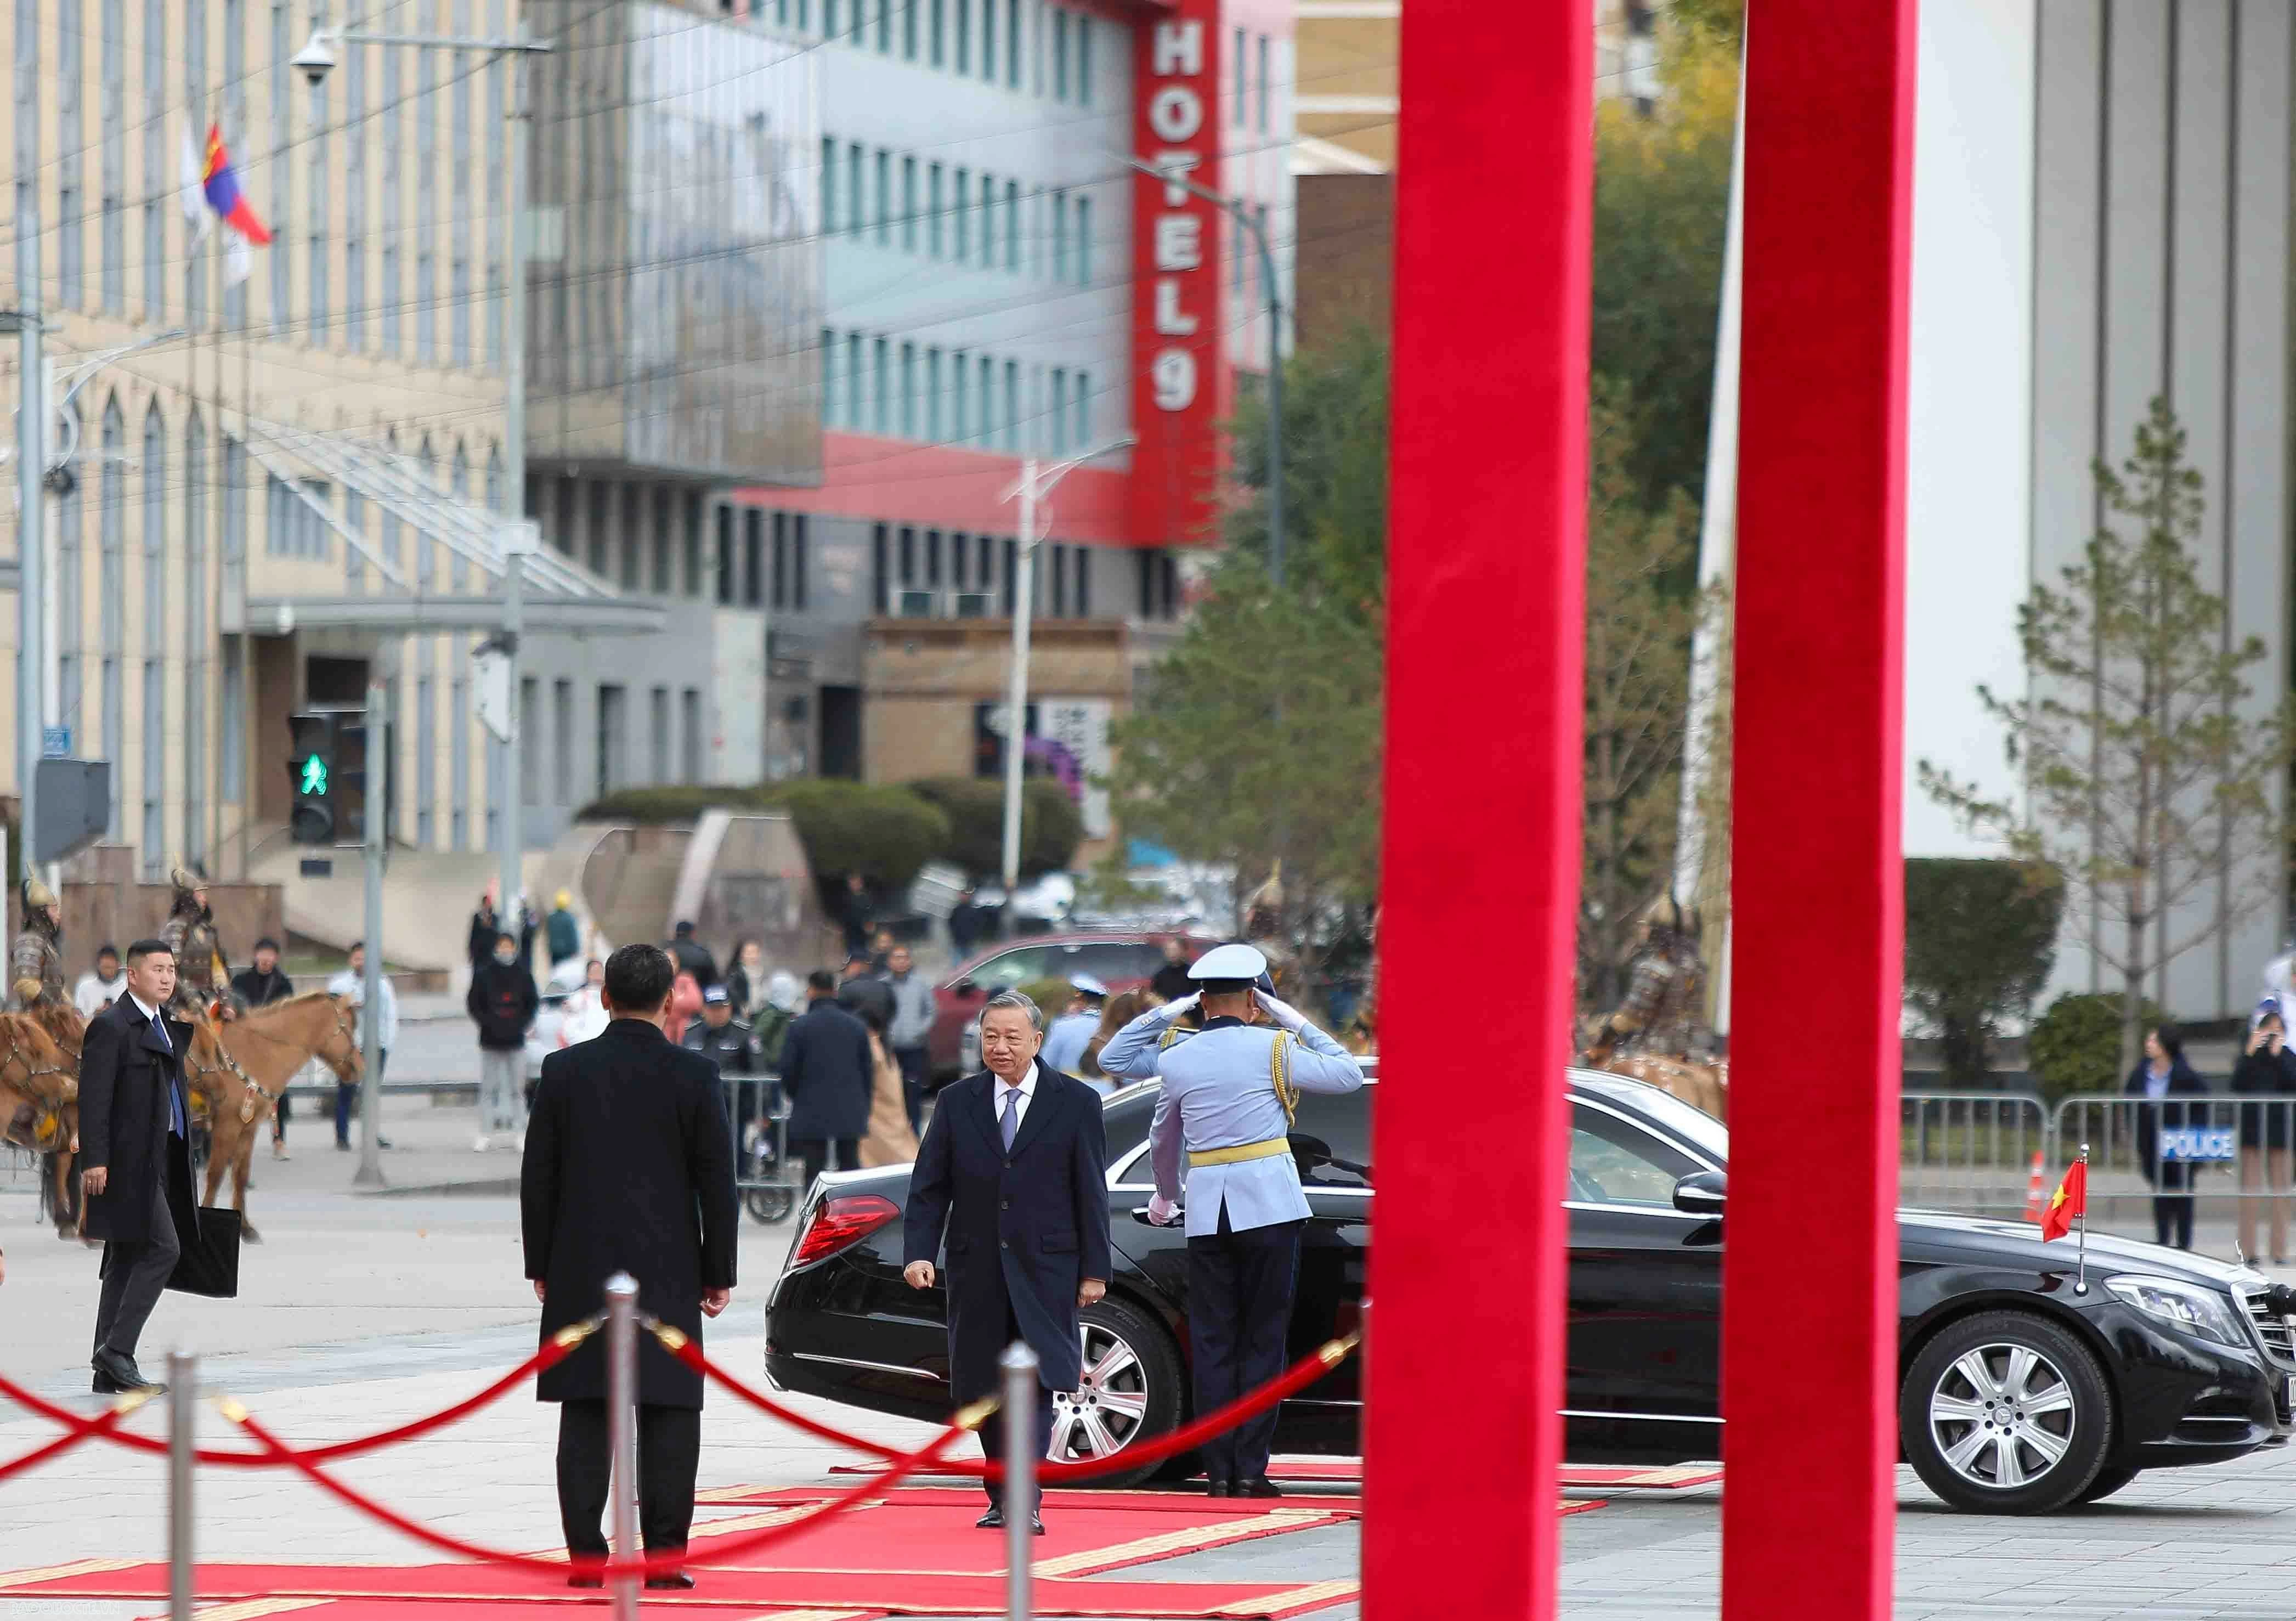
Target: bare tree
[{"x": 2149, "y": 772}]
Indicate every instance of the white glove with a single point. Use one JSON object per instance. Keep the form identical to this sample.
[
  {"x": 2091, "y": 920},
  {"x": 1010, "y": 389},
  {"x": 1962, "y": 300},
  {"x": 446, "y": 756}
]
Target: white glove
[
  {"x": 1173, "y": 1010},
  {"x": 1282, "y": 1012},
  {"x": 1159, "y": 1211}
]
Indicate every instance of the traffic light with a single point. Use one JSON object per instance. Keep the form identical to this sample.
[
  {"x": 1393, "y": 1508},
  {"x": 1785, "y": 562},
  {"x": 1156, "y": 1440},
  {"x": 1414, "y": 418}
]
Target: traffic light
[{"x": 311, "y": 769}]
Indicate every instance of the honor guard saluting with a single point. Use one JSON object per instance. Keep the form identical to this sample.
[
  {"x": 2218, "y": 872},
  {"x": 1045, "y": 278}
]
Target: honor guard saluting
[
  {"x": 202, "y": 979},
  {"x": 35, "y": 960},
  {"x": 1229, "y": 1093}
]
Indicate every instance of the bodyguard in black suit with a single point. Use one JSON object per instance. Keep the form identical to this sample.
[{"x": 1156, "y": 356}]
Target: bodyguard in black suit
[
  {"x": 828, "y": 1073},
  {"x": 1013, "y": 1169},
  {"x": 135, "y": 1135},
  {"x": 629, "y": 1168}
]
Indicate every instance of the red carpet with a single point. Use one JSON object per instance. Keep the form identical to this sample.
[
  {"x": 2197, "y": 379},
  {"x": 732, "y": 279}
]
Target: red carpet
[
  {"x": 1347, "y": 1472},
  {"x": 888, "y": 1592}
]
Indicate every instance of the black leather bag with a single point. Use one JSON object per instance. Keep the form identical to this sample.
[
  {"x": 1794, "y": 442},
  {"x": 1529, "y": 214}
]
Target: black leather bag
[{"x": 210, "y": 1267}]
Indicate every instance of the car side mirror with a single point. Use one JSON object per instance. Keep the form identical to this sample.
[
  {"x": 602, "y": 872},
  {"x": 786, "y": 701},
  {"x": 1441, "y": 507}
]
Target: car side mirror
[
  {"x": 964, "y": 987},
  {"x": 1702, "y": 1193}
]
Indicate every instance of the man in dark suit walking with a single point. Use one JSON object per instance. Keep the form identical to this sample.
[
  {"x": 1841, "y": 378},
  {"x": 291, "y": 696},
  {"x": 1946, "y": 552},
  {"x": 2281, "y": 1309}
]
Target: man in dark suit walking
[
  {"x": 629, "y": 1168},
  {"x": 1013, "y": 1169},
  {"x": 828, "y": 1072},
  {"x": 135, "y": 1134}
]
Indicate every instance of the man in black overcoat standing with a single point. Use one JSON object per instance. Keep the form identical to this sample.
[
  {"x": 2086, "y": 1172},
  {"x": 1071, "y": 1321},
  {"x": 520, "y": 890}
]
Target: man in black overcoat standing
[
  {"x": 629, "y": 1168},
  {"x": 135, "y": 1160},
  {"x": 828, "y": 1073},
  {"x": 1014, "y": 1170}
]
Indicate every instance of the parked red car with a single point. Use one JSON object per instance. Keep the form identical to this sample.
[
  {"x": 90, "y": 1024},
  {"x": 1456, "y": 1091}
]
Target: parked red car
[{"x": 1119, "y": 961}]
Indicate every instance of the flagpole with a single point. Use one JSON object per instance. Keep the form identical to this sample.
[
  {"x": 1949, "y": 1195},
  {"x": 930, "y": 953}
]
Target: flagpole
[{"x": 2080, "y": 1282}]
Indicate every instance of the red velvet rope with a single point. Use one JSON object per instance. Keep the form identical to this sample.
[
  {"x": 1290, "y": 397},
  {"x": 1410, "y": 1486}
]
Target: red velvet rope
[
  {"x": 658, "y": 1564},
  {"x": 554, "y": 1351},
  {"x": 81, "y": 1431},
  {"x": 1302, "y": 1373}
]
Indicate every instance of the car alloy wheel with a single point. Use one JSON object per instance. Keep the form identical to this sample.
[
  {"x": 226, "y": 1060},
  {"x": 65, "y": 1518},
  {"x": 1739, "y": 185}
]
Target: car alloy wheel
[
  {"x": 2006, "y": 1412},
  {"x": 2002, "y": 1416},
  {"x": 1106, "y": 1411}
]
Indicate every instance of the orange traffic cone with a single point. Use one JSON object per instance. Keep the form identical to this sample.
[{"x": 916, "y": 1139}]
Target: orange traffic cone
[{"x": 2033, "y": 1191}]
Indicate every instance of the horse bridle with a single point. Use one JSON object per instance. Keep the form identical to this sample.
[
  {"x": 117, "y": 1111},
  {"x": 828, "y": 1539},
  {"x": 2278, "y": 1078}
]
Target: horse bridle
[
  {"x": 247, "y": 1105},
  {"x": 49, "y": 1125}
]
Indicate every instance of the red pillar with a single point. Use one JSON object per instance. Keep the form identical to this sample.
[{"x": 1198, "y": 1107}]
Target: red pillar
[
  {"x": 1810, "y": 1295},
  {"x": 1486, "y": 589}
]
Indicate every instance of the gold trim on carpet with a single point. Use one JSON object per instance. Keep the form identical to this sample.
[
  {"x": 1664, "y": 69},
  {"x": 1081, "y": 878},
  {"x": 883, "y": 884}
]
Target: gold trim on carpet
[
  {"x": 248, "y": 1609},
  {"x": 1315, "y": 1594},
  {"x": 1211, "y": 1533},
  {"x": 58, "y": 1573}
]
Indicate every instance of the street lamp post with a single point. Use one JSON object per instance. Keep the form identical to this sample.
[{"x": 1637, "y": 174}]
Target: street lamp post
[
  {"x": 314, "y": 61},
  {"x": 1036, "y": 481},
  {"x": 1238, "y": 210}
]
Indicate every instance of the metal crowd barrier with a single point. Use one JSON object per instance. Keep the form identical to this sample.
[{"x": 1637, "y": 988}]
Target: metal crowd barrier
[
  {"x": 757, "y": 1111},
  {"x": 1970, "y": 1152}
]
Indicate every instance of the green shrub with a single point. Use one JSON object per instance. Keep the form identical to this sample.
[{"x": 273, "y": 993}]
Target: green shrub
[
  {"x": 881, "y": 831},
  {"x": 1052, "y": 995},
  {"x": 1981, "y": 936},
  {"x": 2075, "y": 1046},
  {"x": 1051, "y": 825}
]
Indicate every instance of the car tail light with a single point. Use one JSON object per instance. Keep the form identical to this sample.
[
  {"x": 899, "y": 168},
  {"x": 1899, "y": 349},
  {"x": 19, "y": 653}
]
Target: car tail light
[{"x": 839, "y": 1222}]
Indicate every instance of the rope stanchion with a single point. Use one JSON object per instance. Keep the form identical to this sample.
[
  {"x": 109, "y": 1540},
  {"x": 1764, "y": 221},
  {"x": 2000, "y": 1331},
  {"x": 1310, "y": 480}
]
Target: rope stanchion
[
  {"x": 661, "y": 1563},
  {"x": 554, "y": 1350},
  {"x": 1302, "y": 1373}
]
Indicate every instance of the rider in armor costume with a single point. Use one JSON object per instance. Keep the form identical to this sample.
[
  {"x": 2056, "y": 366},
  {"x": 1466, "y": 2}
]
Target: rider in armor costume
[
  {"x": 203, "y": 977},
  {"x": 1664, "y": 1014},
  {"x": 36, "y": 960}
]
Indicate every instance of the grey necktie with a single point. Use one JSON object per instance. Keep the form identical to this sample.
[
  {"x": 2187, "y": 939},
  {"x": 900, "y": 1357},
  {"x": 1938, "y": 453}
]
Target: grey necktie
[{"x": 1009, "y": 1123}]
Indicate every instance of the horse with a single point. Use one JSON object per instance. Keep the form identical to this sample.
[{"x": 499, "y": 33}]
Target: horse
[
  {"x": 39, "y": 1095},
  {"x": 1702, "y": 1086},
  {"x": 241, "y": 1067},
  {"x": 61, "y": 1025}
]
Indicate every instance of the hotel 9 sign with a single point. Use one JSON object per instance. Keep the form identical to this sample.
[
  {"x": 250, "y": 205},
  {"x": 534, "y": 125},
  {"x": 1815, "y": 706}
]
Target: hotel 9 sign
[{"x": 1180, "y": 384}]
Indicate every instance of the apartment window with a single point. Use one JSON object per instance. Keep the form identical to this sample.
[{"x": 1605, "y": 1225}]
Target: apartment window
[
  {"x": 659, "y": 731},
  {"x": 155, "y": 128},
  {"x": 497, "y": 203},
  {"x": 689, "y": 731},
  {"x": 829, "y": 17},
  {"x": 561, "y": 728},
  {"x": 466, "y": 221},
  {"x": 800, "y": 561},
  {"x": 988, "y": 222},
  {"x": 632, "y": 498},
  {"x": 908, "y": 205},
  {"x": 1084, "y": 242},
  {"x": 111, "y": 234},
  {"x": 458, "y": 753},
  {"x": 987, "y": 402},
  {"x": 1081, "y": 435},
  {"x": 960, "y": 202},
  {"x": 884, "y": 198},
  {"x": 957, "y": 374},
  {"x": 753, "y": 558},
  {"x": 908, "y": 390},
  {"x": 1060, "y": 582},
  {"x": 613, "y": 725},
  {"x": 1239, "y": 79},
  {"x": 885, "y": 26},
  {"x": 828, "y": 186},
  {"x": 856, "y": 375},
  {"x": 885, "y": 401},
  {"x": 388, "y": 299},
  {"x": 70, "y": 32},
  {"x": 694, "y": 545},
  {"x": 1059, "y": 426},
  {"x": 957, "y": 553},
  {"x": 1266, "y": 84},
  {"x": 599, "y": 510},
  {"x": 1059, "y": 54},
  {"x": 932, "y": 395},
  {"x": 426, "y": 190},
  {"x": 986, "y": 574},
  {"x": 853, "y": 178},
  {"x": 1012, "y": 572},
  {"x": 1084, "y": 27},
  {"x": 780, "y": 598},
  {"x": 662, "y": 542},
  {"x": 933, "y": 212},
  {"x": 1081, "y": 581},
  {"x": 879, "y": 586},
  {"x": 940, "y": 32},
  {"x": 355, "y": 120},
  {"x": 725, "y": 556},
  {"x": 529, "y": 738},
  {"x": 1011, "y": 42},
  {"x": 1012, "y": 225},
  {"x": 195, "y": 635},
  {"x": 909, "y": 31},
  {"x": 1011, "y": 405},
  {"x": 964, "y": 35},
  {"x": 155, "y": 726},
  {"x": 426, "y": 751},
  {"x": 988, "y": 40},
  {"x": 830, "y": 357},
  {"x": 1059, "y": 210},
  {"x": 908, "y": 558}
]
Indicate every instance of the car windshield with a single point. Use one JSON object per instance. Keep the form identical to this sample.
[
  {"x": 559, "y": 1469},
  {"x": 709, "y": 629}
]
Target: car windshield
[{"x": 1695, "y": 1126}]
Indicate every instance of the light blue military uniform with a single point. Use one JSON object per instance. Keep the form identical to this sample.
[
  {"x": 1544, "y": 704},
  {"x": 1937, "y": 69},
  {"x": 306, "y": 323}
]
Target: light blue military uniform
[
  {"x": 1072, "y": 1033},
  {"x": 1219, "y": 1093},
  {"x": 1226, "y": 1113}
]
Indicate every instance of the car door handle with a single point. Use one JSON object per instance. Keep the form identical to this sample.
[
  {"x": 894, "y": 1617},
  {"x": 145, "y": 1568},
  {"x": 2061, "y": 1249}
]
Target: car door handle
[{"x": 1140, "y": 1214}]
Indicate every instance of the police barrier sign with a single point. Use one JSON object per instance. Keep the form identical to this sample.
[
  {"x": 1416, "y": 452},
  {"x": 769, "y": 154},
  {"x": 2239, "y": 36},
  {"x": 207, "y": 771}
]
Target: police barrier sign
[{"x": 2198, "y": 1145}]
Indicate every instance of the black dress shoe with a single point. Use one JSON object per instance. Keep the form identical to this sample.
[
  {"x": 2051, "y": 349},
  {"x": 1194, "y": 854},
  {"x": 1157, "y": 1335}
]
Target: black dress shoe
[
  {"x": 1261, "y": 1487},
  {"x": 1220, "y": 1488},
  {"x": 1036, "y": 1524},
  {"x": 105, "y": 1385},
  {"x": 585, "y": 1581},
  {"x": 993, "y": 1520},
  {"x": 675, "y": 1581},
  {"x": 122, "y": 1372}
]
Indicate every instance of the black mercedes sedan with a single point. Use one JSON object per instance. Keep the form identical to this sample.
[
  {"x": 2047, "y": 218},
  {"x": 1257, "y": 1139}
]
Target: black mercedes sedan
[{"x": 2018, "y": 1393}]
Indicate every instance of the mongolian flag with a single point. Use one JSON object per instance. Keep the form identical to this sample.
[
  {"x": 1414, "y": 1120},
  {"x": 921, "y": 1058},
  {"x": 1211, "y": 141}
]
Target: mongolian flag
[
  {"x": 2070, "y": 1200},
  {"x": 219, "y": 182}
]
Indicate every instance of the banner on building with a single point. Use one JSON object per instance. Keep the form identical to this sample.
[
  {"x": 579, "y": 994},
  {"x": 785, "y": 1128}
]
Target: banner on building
[{"x": 1066, "y": 740}]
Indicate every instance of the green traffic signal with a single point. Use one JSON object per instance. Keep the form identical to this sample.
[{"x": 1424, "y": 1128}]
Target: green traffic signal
[{"x": 314, "y": 775}]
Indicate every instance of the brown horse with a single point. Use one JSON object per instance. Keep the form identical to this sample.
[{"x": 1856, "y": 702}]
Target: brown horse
[
  {"x": 61, "y": 1026},
  {"x": 39, "y": 1095},
  {"x": 241, "y": 1067},
  {"x": 1702, "y": 1086}
]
